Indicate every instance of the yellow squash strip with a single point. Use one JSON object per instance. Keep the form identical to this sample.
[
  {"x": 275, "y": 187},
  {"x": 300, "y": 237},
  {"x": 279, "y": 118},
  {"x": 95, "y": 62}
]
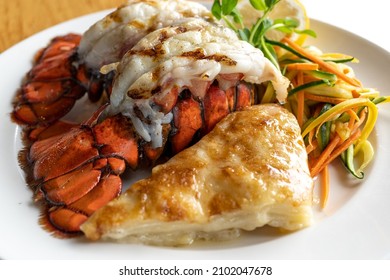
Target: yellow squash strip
[{"x": 368, "y": 154}]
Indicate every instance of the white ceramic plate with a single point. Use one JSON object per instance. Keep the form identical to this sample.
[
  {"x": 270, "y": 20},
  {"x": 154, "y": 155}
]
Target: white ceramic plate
[{"x": 355, "y": 224}]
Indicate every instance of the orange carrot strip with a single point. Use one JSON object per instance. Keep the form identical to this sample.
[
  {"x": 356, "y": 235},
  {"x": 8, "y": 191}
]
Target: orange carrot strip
[
  {"x": 326, "y": 99},
  {"x": 353, "y": 115},
  {"x": 324, "y": 186},
  {"x": 300, "y": 100},
  {"x": 344, "y": 145},
  {"x": 326, "y": 66},
  {"x": 304, "y": 66},
  {"x": 311, "y": 147},
  {"x": 352, "y": 121},
  {"x": 362, "y": 118},
  {"x": 355, "y": 94},
  {"x": 336, "y": 152},
  {"x": 320, "y": 161}
]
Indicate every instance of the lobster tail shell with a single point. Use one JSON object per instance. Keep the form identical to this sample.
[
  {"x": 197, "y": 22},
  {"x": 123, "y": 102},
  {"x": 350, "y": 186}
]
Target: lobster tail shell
[
  {"x": 65, "y": 220},
  {"x": 187, "y": 120},
  {"x": 77, "y": 172},
  {"x": 194, "y": 117},
  {"x": 55, "y": 82},
  {"x": 50, "y": 88}
]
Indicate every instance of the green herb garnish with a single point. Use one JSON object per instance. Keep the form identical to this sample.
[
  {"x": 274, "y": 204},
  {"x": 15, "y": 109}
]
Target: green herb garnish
[{"x": 227, "y": 11}]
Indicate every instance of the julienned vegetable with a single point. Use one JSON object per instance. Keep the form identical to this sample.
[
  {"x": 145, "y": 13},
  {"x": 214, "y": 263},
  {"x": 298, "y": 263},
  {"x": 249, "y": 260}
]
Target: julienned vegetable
[
  {"x": 226, "y": 10},
  {"x": 335, "y": 111}
]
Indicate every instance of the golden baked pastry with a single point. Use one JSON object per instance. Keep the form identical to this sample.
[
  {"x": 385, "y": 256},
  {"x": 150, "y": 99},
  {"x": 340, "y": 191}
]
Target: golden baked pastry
[{"x": 250, "y": 171}]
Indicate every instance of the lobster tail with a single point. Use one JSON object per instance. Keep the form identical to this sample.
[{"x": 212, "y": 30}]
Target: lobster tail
[
  {"x": 65, "y": 220},
  {"x": 77, "y": 172},
  {"x": 50, "y": 88},
  {"x": 55, "y": 82}
]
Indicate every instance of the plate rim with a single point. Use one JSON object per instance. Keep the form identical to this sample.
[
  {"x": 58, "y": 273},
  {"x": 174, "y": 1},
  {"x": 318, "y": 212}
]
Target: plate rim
[{"x": 49, "y": 30}]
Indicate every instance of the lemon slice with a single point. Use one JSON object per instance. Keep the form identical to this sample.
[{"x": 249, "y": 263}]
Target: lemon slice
[{"x": 285, "y": 8}]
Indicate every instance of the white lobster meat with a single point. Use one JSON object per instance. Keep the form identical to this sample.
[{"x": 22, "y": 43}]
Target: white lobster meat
[
  {"x": 189, "y": 55},
  {"x": 108, "y": 39}
]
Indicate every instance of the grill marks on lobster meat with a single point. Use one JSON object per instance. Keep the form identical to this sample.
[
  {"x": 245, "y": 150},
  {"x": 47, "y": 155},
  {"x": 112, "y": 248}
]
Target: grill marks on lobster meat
[
  {"x": 109, "y": 39},
  {"x": 145, "y": 79}
]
